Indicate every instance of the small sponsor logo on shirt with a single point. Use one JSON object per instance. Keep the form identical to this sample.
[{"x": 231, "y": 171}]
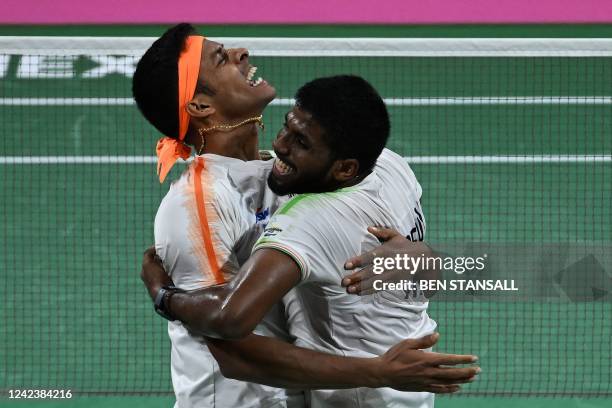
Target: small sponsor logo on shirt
[
  {"x": 272, "y": 231},
  {"x": 262, "y": 216}
]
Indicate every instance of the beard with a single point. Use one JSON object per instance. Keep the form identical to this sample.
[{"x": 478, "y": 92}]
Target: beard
[
  {"x": 277, "y": 188},
  {"x": 312, "y": 183}
]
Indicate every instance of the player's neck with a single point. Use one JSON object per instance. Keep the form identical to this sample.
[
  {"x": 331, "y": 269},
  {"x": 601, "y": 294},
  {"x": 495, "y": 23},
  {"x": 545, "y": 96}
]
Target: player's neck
[{"x": 240, "y": 143}]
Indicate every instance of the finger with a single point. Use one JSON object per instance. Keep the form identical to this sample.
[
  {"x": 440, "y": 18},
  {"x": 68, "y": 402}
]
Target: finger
[
  {"x": 382, "y": 233},
  {"x": 356, "y": 277},
  {"x": 439, "y": 359},
  {"x": 358, "y": 291},
  {"x": 354, "y": 289},
  {"x": 364, "y": 287},
  {"x": 455, "y": 374},
  {"x": 150, "y": 256},
  {"x": 367, "y": 279},
  {"x": 424, "y": 342},
  {"x": 362, "y": 260},
  {"x": 361, "y": 280}
]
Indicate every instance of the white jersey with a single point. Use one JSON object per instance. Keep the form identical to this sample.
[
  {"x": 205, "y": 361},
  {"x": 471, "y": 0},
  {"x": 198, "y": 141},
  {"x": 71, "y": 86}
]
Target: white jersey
[
  {"x": 205, "y": 228},
  {"x": 320, "y": 232}
]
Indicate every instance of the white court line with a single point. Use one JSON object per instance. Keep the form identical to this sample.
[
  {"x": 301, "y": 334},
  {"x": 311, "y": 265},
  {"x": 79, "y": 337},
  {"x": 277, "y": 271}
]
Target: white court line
[
  {"x": 66, "y": 101},
  {"x": 326, "y": 47},
  {"x": 77, "y": 159},
  {"x": 509, "y": 159},
  {"x": 441, "y": 101},
  {"x": 484, "y": 100},
  {"x": 527, "y": 159}
]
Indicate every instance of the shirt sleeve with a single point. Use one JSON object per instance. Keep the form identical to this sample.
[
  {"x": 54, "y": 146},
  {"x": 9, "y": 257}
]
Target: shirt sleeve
[{"x": 288, "y": 233}]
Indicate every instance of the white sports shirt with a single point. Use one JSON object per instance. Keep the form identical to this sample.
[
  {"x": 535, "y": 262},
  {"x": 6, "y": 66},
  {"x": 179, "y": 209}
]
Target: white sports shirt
[
  {"x": 205, "y": 228},
  {"x": 320, "y": 232}
]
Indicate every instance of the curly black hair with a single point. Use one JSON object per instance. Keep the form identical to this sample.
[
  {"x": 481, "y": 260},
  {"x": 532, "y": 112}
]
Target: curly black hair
[{"x": 352, "y": 114}]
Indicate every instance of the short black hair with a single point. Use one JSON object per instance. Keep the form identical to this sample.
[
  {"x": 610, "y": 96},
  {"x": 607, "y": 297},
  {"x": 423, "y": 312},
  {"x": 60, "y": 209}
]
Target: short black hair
[
  {"x": 352, "y": 114},
  {"x": 155, "y": 80}
]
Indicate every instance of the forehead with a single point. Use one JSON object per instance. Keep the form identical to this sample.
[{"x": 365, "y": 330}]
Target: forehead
[
  {"x": 302, "y": 120},
  {"x": 209, "y": 50},
  {"x": 208, "y": 60}
]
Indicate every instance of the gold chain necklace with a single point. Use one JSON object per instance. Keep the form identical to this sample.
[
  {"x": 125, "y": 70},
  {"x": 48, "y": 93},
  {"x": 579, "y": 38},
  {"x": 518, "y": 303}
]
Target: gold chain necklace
[
  {"x": 225, "y": 128},
  {"x": 257, "y": 119}
]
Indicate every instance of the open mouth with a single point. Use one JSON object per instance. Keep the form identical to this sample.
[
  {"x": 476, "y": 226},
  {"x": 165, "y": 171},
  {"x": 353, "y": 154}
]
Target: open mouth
[
  {"x": 250, "y": 78},
  {"x": 282, "y": 168}
]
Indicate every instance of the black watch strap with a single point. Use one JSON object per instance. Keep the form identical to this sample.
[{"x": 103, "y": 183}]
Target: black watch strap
[{"x": 161, "y": 301}]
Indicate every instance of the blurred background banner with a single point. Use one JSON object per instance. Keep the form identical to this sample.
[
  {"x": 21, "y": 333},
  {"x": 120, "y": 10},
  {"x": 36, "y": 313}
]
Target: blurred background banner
[{"x": 305, "y": 12}]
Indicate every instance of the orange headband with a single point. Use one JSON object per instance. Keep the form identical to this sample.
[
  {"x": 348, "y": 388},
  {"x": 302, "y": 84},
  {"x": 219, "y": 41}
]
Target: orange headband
[{"x": 170, "y": 149}]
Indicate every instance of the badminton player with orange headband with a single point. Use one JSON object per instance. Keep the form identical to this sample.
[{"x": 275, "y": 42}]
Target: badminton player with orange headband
[{"x": 197, "y": 93}]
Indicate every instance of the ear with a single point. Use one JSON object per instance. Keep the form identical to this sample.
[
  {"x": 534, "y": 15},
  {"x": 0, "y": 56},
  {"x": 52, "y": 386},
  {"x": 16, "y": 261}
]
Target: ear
[
  {"x": 199, "y": 107},
  {"x": 345, "y": 169}
]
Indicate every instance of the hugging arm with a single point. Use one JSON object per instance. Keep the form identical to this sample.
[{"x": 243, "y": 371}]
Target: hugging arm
[
  {"x": 273, "y": 362},
  {"x": 404, "y": 366},
  {"x": 232, "y": 310}
]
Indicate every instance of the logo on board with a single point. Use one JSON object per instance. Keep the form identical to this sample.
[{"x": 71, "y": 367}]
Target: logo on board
[{"x": 66, "y": 67}]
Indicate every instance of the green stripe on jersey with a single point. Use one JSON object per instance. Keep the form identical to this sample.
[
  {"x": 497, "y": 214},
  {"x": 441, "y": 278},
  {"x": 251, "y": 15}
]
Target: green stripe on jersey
[
  {"x": 285, "y": 208},
  {"x": 289, "y": 204}
]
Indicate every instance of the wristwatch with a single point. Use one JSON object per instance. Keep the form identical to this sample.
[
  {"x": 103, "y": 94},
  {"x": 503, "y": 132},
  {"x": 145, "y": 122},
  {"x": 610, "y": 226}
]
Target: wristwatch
[{"x": 161, "y": 301}]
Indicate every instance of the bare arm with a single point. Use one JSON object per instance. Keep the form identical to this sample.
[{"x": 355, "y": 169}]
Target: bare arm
[
  {"x": 404, "y": 367},
  {"x": 273, "y": 362},
  {"x": 229, "y": 311}
]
